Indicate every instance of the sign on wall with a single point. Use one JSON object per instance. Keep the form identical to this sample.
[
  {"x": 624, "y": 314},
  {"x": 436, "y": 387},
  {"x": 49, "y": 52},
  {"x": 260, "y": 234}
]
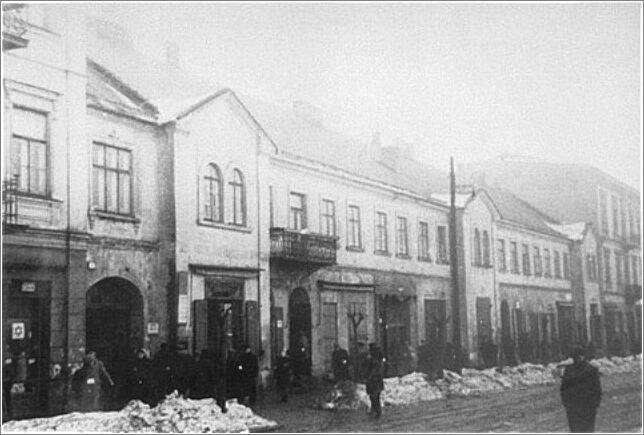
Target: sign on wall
[
  {"x": 153, "y": 328},
  {"x": 183, "y": 309},
  {"x": 28, "y": 287},
  {"x": 18, "y": 331}
]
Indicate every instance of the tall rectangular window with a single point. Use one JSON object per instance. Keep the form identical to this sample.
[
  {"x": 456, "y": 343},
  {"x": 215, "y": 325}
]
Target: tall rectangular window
[
  {"x": 441, "y": 239},
  {"x": 557, "y": 265},
  {"x": 28, "y": 152},
  {"x": 603, "y": 207},
  {"x": 354, "y": 231},
  {"x": 627, "y": 269},
  {"x": 607, "y": 278},
  {"x": 402, "y": 245},
  {"x": 381, "y": 233},
  {"x": 547, "y": 264},
  {"x": 591, "y": 268},
  {"x": 634, "y": 268},
  {"x": 618, "y": 269},
  {"x": 500, "y": 254},
  {"x": 537, "y": 261},
  {"x": 615, "y": 204},
  {"x": 327, "y": 217},
  {"x": 566, "y": 266},
  {"x": 514, "y": 258},
  {"x": 526, "y": 259},
  {"x": 623, "y": 218},
  {"x": 111, "y": 179},
  {"x": 297, "y": 204},
  {"x": 423, "y": 241}
]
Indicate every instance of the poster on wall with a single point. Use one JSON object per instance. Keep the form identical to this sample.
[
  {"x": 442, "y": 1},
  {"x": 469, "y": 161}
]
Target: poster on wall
[
  {"x": 18, "y": 331},
  {"x": 183, "y": 309}
]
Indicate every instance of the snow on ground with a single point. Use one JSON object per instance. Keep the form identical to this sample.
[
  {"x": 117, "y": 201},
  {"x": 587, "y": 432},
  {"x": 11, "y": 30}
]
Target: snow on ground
[
  {"x": 174, "y": 415},
  {"x": 414, "y": 387}
]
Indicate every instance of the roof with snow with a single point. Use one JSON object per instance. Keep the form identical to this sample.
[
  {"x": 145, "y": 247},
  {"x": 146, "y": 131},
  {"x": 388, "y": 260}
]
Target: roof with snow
[
  {"x": 515, "y": 210},
  {"x": 575, "y": 231},
  {"x": 128, "y": 82},
  {"x": 461, "y": 199}
]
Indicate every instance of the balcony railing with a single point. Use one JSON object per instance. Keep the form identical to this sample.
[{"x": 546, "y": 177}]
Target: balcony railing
[
  {"x": 302, "y": 247},
  {"x": 10, "y": 216},
  {"x": 14, "y": 26}
]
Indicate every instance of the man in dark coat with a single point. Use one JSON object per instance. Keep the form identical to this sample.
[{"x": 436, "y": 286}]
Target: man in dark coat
[
  {"x": 375, "y": 383},
  {"x": 283, "y": 375},
  {"x": 184, "y": 370},
  {"x": 204, "y": 379},
  {"x": 581, "y": 392},
  {"x": 164, "y": 370},
  {"x": 248, "y": 372},
  {"x": 340, "y": 363},
  {"x": 139, "y": 380},
  {"x": 87, "y": 382}
]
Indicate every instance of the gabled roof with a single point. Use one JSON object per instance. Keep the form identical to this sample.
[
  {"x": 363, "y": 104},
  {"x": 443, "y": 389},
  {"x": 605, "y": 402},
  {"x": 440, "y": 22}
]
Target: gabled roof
[
  {"x": 513, "y": 209},
  {"x": 575, "y": 231}
]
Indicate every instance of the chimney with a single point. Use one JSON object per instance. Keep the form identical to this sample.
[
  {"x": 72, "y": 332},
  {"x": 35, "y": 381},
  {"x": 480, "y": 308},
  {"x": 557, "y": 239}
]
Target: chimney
[
  {"x": 172, "y": 54},
  {"x": 376, "y": 146}
]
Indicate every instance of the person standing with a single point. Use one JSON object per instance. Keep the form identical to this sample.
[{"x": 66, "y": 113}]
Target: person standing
[
  {"x": 375, "y": 383},
  {"x": 340, "y": 362},
  {"x": 163, "y": 365},
  {"x": 283, "y": 375},
  {"x": 249, "y": 370},
  {"x": 139, "y": 380},
  {"x": 204, "y": 380},
  {"x": 87, "y": 382},
  {"x": 580, "y": 392}
]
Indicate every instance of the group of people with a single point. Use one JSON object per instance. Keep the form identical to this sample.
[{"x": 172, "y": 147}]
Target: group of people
[{"x": 198, "y": 376}]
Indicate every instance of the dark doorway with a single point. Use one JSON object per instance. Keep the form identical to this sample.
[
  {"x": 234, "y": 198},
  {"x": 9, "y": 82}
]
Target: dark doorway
[
  {"x": 299, "y": 314},
  {"x": 566, "y": 327},
  {"x": 395, "y": 315},
  {"x": 435, "y": 321},
  {"x": 114, "y": 323}
]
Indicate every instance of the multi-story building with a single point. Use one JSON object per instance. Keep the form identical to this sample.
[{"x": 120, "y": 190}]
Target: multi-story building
[{"x": 573, "y": 193}]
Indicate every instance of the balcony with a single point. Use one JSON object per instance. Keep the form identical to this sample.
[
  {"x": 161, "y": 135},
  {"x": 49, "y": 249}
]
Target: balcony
[
  {"x": 10, "y": 216},
  {"x": 294, "y": 246},
  {"x": 14, "y": 27}
]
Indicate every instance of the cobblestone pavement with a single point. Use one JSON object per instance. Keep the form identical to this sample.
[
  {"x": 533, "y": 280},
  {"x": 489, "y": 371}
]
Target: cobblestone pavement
[{"x": 533, "y": 409}]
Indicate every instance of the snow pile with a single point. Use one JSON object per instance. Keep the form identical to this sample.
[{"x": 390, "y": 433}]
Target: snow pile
[
  {"x": 414, "y": 387},
  {"x": 174, "y": 415}
]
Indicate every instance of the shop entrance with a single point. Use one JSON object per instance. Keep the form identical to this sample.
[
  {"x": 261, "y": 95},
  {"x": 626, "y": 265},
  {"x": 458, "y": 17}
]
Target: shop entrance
[
  {"x": 299, "y": 314},
  {"x": 395, "y": 315},
  {"x": 114, "y": 323},
  {"x": 26, "y": 325}
]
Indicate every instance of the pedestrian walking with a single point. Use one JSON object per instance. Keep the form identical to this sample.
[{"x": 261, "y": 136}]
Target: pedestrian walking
[
  {"x": 581, "y": 392},
  {"x": 340, "y": 362},
  {"x": 139, "y": 380},
  {"x": 87, "y": 383},
  {"x": 283, "y": 375},
  {"x": 249, "y": 370},
  {"x": 375, "y": 383}
]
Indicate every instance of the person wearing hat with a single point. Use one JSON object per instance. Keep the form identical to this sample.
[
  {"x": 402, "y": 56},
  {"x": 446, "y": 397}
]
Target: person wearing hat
[
  {"x": 580, "y": 392},
  {"x": 340, "y": 363},
  {"x": 139, "y": 381},
  {"x": 249, "y": 370},
  {"x": 375, "y": 375}
]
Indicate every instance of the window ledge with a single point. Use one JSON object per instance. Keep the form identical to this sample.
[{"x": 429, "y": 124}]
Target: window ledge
[
  {"x": 355, "y": 249},
  {"x": 403, "y": 256},
  {"x": 35, "y": 197},
  {"x": 425, "y": 259},
  {"x": 224, "y": 226},
  {"x": 442, "y": 262},
  {"x": 115, "y": 216},
  {"x": 383, "y": 253}
]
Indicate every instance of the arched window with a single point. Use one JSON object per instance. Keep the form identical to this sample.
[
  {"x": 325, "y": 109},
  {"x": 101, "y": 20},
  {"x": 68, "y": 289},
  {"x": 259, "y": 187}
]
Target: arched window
[
  {"x": 477, "y": 247},
  {"x": 213, "y": 194},
  {"x": 486, "y": 249},
  {"x": 238, "y": 198}
]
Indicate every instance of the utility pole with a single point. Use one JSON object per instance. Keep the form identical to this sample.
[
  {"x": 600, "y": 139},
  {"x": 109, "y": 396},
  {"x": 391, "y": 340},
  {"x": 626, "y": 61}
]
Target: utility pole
[{"x": 453, "y": 261}]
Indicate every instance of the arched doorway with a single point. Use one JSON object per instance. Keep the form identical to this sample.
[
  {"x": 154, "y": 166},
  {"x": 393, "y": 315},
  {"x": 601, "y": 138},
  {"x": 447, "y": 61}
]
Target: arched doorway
[
  {"x": 114, "y": 323},
  {"x": 299, "y": 314}
]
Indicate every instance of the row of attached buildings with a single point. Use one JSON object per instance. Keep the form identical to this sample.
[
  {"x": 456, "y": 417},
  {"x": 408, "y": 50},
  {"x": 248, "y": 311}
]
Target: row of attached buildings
[{"x": 142, "y": 206}]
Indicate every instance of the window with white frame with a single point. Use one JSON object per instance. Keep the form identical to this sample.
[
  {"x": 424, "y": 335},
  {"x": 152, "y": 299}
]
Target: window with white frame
[
  {"x": 354, "y": 228},
  {"x": 423, "y": 241},
  {"x": 327, "y": 218},
  {"x": 500, "y": 255},
  {"x": 213, "y": 192},
  {"x": 238, "y": 197},
  {"x": 28, "y": 152},
  {"x": 112, "y": 179},
  {"x": 402, "y": 240},
  {"x": 297, "y": 207},
  {"x": 381, "y": 232}
]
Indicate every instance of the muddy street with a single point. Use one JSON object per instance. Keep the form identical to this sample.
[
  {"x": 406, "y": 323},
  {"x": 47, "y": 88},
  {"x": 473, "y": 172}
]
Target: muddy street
[{"x": 533, "y": 409}]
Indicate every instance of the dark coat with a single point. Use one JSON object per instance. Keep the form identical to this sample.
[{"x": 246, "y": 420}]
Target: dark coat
[
  {"x": 204, "y": 380},
  {"x": 283, "y": 371},
  {"x": 580, "y": 387},
  {"x": 165, "y": 372},
  {"x": 140, "y": 381},
  {"x": 375, "y": 375},
  {"x": 340, "y": 361},
  {"x": 249, "y": 366}
]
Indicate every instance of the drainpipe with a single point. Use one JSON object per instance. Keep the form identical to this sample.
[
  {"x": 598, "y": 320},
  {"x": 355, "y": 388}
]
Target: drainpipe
[
  {"x": 68, "y": 260},
  {"x": 259, "y": 241}
]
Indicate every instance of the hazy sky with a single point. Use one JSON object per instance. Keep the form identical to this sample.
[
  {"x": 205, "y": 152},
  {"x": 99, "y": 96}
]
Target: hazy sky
[{"x": 472, "y": 80}]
